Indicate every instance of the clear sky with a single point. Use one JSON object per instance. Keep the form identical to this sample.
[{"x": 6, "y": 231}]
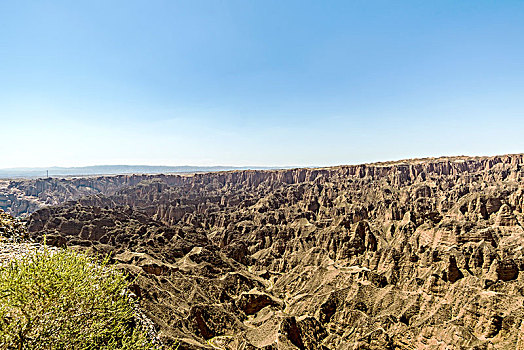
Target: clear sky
[{"x": 258, "y": 82}]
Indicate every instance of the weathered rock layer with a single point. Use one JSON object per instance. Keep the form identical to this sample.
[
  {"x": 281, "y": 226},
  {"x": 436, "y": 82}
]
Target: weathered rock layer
[{"x": 403, "y": 255}]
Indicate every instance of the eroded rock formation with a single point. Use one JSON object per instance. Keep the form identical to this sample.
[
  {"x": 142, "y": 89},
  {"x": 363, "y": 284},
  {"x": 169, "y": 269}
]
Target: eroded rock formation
[{"x": 419, "y": 254}]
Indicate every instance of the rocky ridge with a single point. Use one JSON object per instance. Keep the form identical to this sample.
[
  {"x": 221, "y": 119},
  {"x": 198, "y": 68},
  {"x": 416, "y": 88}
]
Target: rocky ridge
[{"x": 418, "y": 254}]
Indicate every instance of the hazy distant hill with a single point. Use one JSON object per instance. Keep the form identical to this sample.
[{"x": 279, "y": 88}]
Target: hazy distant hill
[{"x": 114, "y": 169}]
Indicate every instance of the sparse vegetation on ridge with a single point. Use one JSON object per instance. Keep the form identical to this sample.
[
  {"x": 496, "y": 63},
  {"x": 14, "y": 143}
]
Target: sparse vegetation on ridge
[
  {"x": 65, "y": 300},
  {"x": 62, "y": 299}
]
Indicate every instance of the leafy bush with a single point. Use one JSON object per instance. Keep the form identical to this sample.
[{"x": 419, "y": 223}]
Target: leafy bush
[{"x": 66, "y": 300}]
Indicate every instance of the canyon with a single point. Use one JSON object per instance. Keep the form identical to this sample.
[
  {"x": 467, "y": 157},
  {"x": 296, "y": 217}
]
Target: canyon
[{"x": 412, "y": 254}]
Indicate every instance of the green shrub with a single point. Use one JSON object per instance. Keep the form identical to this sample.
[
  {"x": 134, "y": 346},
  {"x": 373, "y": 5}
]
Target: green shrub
[{"x": 66, "y": 300}]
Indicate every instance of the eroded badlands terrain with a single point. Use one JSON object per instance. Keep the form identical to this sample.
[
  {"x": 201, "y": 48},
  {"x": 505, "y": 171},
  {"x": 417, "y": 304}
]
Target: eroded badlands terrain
[{"x": 418, "y": 254}]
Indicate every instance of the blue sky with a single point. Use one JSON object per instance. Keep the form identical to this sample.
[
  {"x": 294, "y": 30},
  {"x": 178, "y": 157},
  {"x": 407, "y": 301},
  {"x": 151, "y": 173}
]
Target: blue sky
[{"x": 258, "y": 82}]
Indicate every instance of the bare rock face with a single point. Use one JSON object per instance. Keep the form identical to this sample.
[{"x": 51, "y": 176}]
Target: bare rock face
[
  {"x": 453, "y": 273},
  {"x": 505, "y": 216},
  {"x": 252, "y": 302},
  {"x": 302, "y": 333},
  {"x": 419, "y": 254}
]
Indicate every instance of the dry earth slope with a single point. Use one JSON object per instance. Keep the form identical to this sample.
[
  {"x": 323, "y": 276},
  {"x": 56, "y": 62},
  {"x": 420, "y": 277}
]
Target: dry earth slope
[{"x": 417, "y": 254}]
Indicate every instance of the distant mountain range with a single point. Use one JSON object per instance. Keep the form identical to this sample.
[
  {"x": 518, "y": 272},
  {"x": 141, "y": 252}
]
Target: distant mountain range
[{"x": 117, "y": 169}]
